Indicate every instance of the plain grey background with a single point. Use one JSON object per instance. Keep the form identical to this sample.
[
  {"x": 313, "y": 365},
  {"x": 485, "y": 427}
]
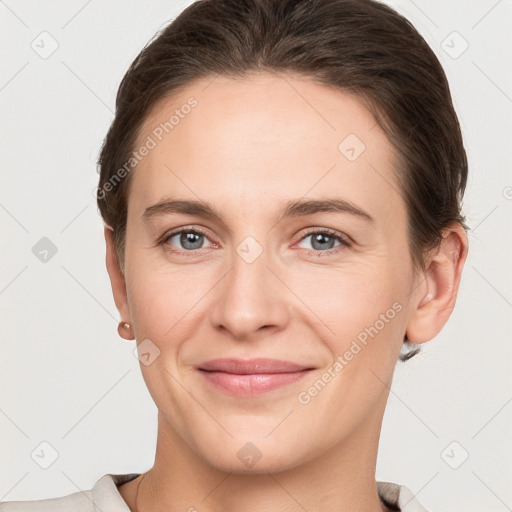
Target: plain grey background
[{"x": 73, "y": 404}]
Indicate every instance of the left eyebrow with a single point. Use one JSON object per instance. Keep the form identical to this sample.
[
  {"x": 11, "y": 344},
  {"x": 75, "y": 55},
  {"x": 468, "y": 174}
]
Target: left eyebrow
[
  {"x": 301, "y": 207},
  {"x": 295, "y": 208}
]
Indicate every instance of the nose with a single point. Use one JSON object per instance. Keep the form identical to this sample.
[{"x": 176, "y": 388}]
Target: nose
[{"x": 250, "y": 300}]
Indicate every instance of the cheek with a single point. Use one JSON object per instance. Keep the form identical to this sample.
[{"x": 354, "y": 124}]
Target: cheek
[
  {"x": 361, "y": 315},
  {"x": 165, "y": 303},
  {"x": 338, "y": 302},
  {"x": 346, "y": 301}
]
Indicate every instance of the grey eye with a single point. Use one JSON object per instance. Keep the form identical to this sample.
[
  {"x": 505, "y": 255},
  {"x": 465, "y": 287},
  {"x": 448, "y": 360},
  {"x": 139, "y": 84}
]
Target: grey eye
[
  {"x": 321, "y": 241},
  {"x": 188, "y": 240}
]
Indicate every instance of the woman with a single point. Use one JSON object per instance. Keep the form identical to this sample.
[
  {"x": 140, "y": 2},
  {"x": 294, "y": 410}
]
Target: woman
[{"x": 281, "y": 190}]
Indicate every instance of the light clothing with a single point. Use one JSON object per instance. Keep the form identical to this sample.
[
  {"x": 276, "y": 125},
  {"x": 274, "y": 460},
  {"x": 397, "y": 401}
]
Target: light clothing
[{"x": 105, "y": 497}]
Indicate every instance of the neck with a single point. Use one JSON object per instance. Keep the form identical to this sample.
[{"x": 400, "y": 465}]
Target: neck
[{"x": 342, "y": 478}]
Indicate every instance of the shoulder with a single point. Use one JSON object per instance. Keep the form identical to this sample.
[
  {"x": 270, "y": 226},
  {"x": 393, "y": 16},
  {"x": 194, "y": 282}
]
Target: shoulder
[
  {"x": 103, "y": 496},
  {"x": 398, "y": 497},
  {"x": 79, "y": 501}
]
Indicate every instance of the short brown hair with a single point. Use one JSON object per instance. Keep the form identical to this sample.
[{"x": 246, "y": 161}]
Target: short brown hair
[{"x": 362, "y": 47}]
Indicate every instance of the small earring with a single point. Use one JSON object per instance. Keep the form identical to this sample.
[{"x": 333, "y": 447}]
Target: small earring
[{"x": 124, "y": 330}]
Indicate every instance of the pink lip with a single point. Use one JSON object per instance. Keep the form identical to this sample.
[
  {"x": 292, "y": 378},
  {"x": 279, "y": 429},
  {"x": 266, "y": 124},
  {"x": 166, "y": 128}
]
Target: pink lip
[{"x": 245, "y": 378}]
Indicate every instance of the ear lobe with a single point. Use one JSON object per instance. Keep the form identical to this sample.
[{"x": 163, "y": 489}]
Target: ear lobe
[
  {"x": 117, "y": 279},
  {"x": 442, "y": 279}
]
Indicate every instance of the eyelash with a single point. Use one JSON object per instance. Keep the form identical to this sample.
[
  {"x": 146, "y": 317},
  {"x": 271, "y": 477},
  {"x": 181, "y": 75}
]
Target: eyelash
[{"x": 344, "y": 241}]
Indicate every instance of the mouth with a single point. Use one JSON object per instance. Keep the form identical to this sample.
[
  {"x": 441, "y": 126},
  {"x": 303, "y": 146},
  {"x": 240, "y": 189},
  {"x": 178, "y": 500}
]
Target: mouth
[{"x": 248, "y": 378}]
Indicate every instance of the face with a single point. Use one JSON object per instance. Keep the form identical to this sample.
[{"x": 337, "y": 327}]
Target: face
[{"x": 267, "y": 223}]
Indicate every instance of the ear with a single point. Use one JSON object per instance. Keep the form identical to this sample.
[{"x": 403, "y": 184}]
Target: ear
[
  {"x": 117, "y": 279},
  {"x": 439, "y": 286}
]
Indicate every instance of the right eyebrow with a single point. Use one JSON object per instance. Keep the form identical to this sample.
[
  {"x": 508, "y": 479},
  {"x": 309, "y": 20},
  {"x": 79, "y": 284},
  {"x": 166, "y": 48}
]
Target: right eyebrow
[{"x": 180, "y": 206}]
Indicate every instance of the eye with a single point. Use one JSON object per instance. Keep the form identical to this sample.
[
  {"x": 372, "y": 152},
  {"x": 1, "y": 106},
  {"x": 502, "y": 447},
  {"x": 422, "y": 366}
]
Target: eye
[
  {"x": 186, "y": 239},
  {"x": 323, "y": 241}
]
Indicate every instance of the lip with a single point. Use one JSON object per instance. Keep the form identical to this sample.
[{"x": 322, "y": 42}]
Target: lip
[{"x": 252, "y": 377}]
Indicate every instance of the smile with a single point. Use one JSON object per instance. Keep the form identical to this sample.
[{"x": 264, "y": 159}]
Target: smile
[{"x": 253, "y": 377}]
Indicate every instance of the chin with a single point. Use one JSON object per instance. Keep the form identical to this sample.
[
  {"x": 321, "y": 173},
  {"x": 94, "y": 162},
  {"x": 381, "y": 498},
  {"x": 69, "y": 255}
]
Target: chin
[
  {"x": 253, "y": 455},
  {"x": 230, "y": 462}
]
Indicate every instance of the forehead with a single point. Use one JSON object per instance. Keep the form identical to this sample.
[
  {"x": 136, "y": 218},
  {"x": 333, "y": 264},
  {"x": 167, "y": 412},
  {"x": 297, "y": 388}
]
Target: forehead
[{"x": 261, "y": 138}]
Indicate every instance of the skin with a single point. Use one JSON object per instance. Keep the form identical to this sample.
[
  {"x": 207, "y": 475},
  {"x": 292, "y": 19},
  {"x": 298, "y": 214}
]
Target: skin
[{"x": 249, "y": 146}]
